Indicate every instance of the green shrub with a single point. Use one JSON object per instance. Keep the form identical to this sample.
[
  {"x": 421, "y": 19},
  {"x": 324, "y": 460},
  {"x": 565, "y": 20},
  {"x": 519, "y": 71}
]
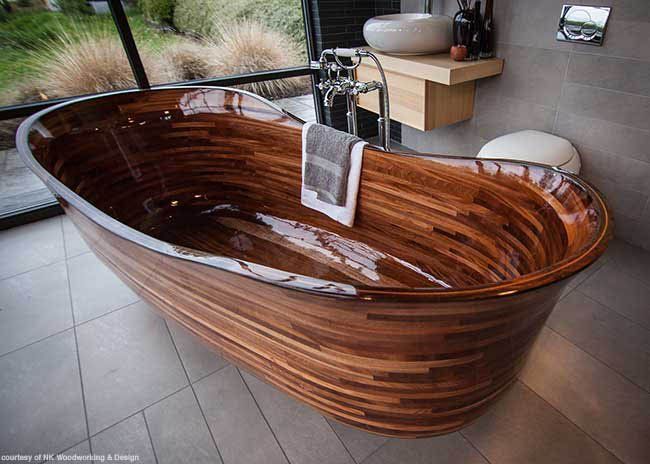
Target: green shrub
[
  {"x": 249, "y": 46},
  {"x": 204, "y": 17},
  {"x": 284, "y": 15},
  {"x": 5, "y": 9},
  {"x": 31, "y": 29},
  {"x": 74, "y": 7},
  {"x": 86, "y": 58},
  {"x": 196, "y": 16},
  {"x": 158, "y": 11}
]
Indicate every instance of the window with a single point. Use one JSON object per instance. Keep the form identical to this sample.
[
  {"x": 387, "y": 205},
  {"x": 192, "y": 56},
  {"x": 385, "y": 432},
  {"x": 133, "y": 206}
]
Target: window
[
  {"x": 53, "y": 50},
  {"x": 201, "y": 39}
]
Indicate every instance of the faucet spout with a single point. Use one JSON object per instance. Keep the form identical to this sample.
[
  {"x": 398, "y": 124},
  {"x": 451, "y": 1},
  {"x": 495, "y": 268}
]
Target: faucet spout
[
  {"x": 333, "y": 84},
  {"x": 328, "y": 98}
]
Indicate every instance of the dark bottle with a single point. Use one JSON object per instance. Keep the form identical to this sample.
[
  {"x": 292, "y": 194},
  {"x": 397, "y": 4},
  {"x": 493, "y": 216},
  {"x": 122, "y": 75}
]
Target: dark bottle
[
  {"x": 477, "y": 32},
  {"x": 487, "y": 38},
  {"x": 463, "y": 27}
]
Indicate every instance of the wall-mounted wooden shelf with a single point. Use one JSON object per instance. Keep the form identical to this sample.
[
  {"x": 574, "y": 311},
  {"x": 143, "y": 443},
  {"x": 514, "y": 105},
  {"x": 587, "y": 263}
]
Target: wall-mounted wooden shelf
[{"x": 427, "y": 91}]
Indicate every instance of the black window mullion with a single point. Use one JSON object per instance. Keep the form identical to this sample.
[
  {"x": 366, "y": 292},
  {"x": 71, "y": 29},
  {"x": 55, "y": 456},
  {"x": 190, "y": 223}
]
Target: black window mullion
[
  {"x": 130, "y": 48},
  {"x": 311, "y": 56}
]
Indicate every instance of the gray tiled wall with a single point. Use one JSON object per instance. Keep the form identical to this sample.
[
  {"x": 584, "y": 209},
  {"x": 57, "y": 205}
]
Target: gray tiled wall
[{"x": 597, "y": 97}]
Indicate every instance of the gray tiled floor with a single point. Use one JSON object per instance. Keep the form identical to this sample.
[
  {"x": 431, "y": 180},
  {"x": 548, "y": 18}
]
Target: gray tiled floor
[{"x": 87, "y": 367}]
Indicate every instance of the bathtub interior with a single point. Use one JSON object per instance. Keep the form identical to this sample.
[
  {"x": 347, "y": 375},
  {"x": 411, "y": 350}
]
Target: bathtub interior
[{"x": 218, "y": 172}]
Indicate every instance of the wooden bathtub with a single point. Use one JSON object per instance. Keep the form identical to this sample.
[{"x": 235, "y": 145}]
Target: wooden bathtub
[{"x": 409, "y": 324}]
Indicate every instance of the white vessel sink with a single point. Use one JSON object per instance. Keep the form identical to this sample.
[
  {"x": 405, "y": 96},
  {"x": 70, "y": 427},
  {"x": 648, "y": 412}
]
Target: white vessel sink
[{"x": 409, "y": 33}]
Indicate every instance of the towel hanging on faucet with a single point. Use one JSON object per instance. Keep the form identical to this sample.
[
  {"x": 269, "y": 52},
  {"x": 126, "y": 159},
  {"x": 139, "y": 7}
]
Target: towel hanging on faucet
[{"x": 331, "y": 169}]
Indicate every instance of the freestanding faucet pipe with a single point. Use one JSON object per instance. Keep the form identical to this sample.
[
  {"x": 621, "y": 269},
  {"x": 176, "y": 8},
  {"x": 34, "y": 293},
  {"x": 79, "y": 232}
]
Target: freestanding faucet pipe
[{"x": 334, "y": 84}]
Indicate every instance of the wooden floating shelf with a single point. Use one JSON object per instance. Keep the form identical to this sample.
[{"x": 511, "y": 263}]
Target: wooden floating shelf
[{"x": 427, "y": 91}]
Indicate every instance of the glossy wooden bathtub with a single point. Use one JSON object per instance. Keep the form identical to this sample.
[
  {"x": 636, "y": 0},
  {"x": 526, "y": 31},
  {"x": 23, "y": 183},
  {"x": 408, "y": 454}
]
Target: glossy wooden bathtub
[{"x": 409, "y": 324}]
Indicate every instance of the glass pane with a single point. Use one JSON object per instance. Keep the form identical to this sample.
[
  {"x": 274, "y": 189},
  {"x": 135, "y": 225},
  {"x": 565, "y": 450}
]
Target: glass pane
[
  {"x": 301, "y": 106},
  {"x": 59, "y": 48},
  {"x": 19, "y": 187},
  {"x": 182, "y": 40},
  {"x": 51, "y": 49}
]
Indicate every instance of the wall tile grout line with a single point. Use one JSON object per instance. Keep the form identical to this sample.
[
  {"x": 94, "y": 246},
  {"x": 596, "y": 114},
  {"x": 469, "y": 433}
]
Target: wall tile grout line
[
  {"x": 146, "y": 425},
  {"x": 510, "y": 97},
  {"x": 588, "y": 435},
  {"x": 196, "y": 398},
  {"x": 614, "y": 123},
  {"x": 263, "y": 415},
  {"x": 559, "y": 103},
  {"x": 575, "y": 51},
  {"x": 622, "y": 92},
  {"x": 616, "y": 57},
  {"x": 76, "y": 341}
]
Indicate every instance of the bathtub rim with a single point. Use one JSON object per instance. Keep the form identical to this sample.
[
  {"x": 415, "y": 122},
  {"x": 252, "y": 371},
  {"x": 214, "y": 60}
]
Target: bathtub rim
[{"x": 305, "y": 284}]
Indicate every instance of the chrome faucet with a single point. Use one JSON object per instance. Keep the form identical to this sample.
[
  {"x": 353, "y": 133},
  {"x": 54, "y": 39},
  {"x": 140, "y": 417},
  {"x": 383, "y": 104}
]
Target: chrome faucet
[{"x": 340, "y": 80}]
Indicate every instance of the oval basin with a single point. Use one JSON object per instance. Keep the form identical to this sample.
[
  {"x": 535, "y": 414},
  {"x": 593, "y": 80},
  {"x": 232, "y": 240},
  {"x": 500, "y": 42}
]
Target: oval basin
[{"x": 409, "y": 34}]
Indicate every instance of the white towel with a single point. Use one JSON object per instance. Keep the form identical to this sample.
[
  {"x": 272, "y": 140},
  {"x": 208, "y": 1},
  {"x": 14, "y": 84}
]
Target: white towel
[{"x": 343, "y": 214}]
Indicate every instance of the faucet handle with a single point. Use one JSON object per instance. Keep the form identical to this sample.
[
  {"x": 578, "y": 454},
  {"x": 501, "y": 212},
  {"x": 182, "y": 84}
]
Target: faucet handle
[
  {"x": 365, "y": 87},
  {"x": 347, "y": 52}
]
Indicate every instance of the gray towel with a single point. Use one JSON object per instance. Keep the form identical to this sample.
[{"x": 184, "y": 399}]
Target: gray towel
[{"x": 327, "y": 163}]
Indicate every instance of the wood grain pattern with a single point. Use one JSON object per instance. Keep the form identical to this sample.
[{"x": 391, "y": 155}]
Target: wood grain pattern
[
  {"x": 439, "y": 68},
  {"x": 427, "y": 91},
  {"x": 410, "y": 324},
  {"x": 419, "y": 103},
  {"x": 448, "y": 104}
]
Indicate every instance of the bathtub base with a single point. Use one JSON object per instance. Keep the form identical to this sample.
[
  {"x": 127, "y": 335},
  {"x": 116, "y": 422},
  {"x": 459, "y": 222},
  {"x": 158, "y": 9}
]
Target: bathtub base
[{"x": 413, "y": 382}]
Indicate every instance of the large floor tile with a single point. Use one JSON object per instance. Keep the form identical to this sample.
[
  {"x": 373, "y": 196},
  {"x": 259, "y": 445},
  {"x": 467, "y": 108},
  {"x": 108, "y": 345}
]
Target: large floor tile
[
  {"x": 76, "y": 455},
  {"x": 630, "y": 259},
  {"x": 179, "y": 432},
  {"x": 305, "y": 435},
  {"x": 360, "y": 444},
  {"x": 583, "y": 275},
  {"x": 95, "y": 289},
  {"x": 41, "y": 406},
  {"x": 523, "y": 428},
  {"x": 30, "y": 246},
  {"x": 129, "y": 437},
  {"x": 621, "y": 292},
  {"x": 613, "y": 339},
  {"x": 128, "y": 362},
  {"x": 33, "y": 305},
  {"x": 608, "y": 407},
  {"x": 74, "y": 244},
  {"x": 199, "y": 360},
  {"x": 241, "y": 433},
  {"x": 446, "y": 449}
]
